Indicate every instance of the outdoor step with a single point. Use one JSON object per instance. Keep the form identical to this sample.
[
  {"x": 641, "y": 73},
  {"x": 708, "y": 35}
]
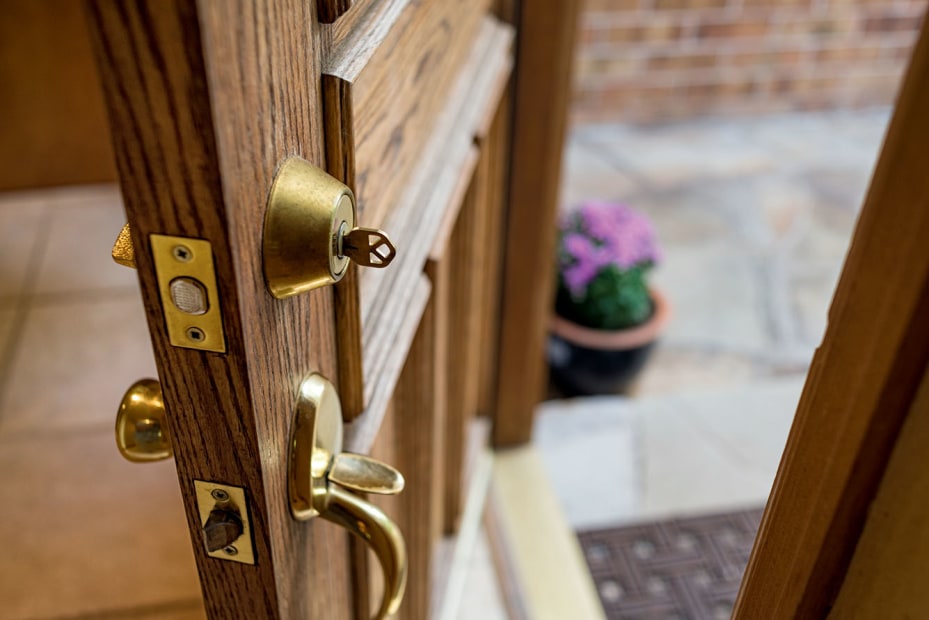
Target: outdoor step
[{"x": 616, "y": 459}]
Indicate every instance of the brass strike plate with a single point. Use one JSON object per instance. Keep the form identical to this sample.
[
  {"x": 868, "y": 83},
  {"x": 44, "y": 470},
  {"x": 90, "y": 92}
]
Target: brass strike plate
[
  {"x": 189, "y": 295},
  {"x": 209, "y": 494}
]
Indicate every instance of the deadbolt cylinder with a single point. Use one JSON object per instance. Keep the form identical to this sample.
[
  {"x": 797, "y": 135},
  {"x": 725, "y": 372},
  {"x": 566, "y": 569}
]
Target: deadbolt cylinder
[{"x": 306, "y": 209}]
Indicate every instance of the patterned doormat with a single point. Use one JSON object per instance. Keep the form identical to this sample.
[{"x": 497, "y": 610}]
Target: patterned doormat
[{"x": 682, "y": 569}]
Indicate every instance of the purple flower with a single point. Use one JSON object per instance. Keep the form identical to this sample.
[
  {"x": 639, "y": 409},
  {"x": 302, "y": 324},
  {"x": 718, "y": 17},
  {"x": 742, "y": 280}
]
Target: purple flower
[
  {"x": 578, "y": 246},
  {"x": 600, "y": 234},
  {"x": 578, "y": 276}
]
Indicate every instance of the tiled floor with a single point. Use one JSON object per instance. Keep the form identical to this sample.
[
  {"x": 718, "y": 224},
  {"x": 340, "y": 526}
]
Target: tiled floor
[
  {"x": 84, "y": 531},
  {"x": 755, "y": 216}
]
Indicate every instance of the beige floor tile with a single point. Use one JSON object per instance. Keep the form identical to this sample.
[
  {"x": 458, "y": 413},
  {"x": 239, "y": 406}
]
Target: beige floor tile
[
  {"x": 590, "y": 452},
  {"x": 82, "y": 228},
  {"x": 672, "y": 370},
  {"x": 686, "y": 474},
  {"x": 74, "y": 362},
  {"x": 811, "y": 297},
  {"x": 84, "y": 531},
  {"x": 715, "y": 450},
  {"x": 751, "y": 423},
  {"x": 717, "y": 299},
  {"x": 21, "y": 218}
]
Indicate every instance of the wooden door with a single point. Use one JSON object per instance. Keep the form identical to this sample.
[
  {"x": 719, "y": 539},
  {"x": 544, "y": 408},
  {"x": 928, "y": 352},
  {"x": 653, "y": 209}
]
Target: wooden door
[
  {"x": 204, "y": 101},
  {"x": 846, "y": 512},
  {"x": 407, "y": 103}
]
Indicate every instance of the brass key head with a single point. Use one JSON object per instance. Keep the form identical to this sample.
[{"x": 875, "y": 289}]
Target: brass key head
[{"x": 367, "y": 247}]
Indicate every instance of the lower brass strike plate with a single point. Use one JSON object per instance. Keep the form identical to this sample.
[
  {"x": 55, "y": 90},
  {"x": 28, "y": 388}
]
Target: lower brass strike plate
[
  {"x": 211, "y": 495},
  {"x": 189, "y": 295}
]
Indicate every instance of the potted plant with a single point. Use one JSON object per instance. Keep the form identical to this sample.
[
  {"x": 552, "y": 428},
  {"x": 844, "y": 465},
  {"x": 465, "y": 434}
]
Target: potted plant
[{"x": 607, "y": 318}]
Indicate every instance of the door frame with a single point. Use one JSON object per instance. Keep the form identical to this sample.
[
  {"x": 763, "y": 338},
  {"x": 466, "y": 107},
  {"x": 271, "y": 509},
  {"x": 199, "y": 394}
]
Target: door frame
[{"x": 861, "y": 384}]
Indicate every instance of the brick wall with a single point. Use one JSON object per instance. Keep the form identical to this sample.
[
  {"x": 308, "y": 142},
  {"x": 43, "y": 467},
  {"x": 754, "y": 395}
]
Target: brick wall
[{"x": 648, "y": 60}]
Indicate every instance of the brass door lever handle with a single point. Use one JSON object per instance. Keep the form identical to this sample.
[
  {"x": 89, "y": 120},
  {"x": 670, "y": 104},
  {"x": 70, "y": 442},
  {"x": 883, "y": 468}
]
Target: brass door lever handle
[{"x": 321, "y": 476}]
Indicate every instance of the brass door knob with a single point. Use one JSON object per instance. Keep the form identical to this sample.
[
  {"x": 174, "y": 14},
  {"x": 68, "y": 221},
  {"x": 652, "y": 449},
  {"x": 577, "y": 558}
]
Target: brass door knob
[
  {"x": 142, "y": 436},
  {"x": 310, "y": 232},
  {"x": 141, "y": 428},
  {"x": 321, "y": 477}
]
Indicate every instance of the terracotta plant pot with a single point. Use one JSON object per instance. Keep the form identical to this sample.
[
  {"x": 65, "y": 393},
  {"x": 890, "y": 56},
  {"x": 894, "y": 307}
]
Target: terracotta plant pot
[{"x": 586, "y": 361}]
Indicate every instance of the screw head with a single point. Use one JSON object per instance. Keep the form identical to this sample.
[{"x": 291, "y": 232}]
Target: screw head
[
  {"x": 230, "y": 550},
  {"x": 219, "y": 495},
  {"x": 182, "y": 253},
  {"x": 195, "y": 334}
]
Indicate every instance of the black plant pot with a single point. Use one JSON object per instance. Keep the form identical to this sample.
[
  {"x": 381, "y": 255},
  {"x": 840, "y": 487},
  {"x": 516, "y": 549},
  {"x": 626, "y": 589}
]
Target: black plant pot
[
  {"x": 584, "y": 361},
  {"x": 581, "y": 371}
]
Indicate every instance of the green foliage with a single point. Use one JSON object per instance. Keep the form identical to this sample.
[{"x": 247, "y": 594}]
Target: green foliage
[{"x": 615, "y": 299}]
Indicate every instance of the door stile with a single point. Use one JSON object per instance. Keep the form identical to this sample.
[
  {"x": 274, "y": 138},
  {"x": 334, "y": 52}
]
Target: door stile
[
  {"x": 465, "y": 268},
  {"x": 542, "y": 86},
  {"x": 862, "y": 382},
  {"x": 340, "y": 163},
  {"x": 494, "y": 165},
  {"x": 204, "y": 100},
  {"x": 417, "y": 419}
]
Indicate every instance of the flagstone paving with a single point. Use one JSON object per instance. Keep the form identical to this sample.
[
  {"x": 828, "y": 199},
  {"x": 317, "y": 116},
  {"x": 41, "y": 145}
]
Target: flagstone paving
[{"x": 755, "y": 218}]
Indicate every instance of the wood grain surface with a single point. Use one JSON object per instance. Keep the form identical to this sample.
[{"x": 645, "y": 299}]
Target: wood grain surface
[
  {"x": 862, "y": 381},
  {"x": 347, "y": 297},
  {"x": 543, "y": 86},
  {"x": 347, "y": 300},
  {"x": 353, "y": 39},
  {"x": 52, "y": 115},
  {"x": 435, "y": 189},
  {"x": 886, "y": 576},
  {"x": 415, "y": 221},
  {"x": 397, "y": 94},
  {"x": 418, "y": 421},
  {"x": 204, "y": 101},
  {"x": 495, "y": 165},
  {"x": 397, "y": 338},
  {"x": 437, "y": 272},
  {"x": 464, "y": 321}
]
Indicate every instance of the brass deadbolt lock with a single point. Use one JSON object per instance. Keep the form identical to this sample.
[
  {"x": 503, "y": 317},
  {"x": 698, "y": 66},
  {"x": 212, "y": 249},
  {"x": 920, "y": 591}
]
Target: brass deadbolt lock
[{"x": 310, "y": 232}]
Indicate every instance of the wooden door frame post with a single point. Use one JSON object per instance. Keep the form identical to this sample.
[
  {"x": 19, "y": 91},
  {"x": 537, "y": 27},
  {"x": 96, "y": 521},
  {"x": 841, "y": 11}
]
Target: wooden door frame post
[
  {"x": 545, "y": 53},
  {"x": 862, "y": 382}
]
